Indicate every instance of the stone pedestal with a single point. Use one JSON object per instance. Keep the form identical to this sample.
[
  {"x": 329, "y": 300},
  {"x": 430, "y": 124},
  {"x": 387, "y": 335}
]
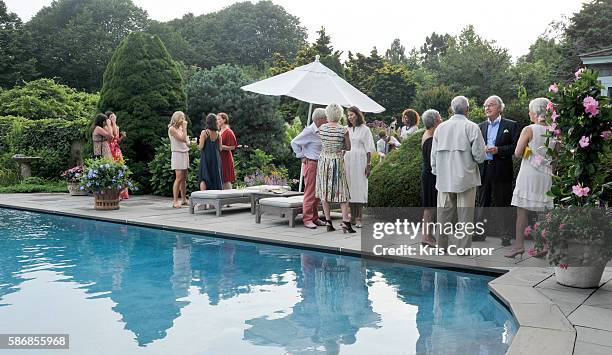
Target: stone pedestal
[{"x": 24, "y": 164}]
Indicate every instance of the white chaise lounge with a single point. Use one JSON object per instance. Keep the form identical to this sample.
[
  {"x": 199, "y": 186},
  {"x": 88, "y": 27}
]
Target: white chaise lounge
[
  {"x": 288, "y": 207},
  {"x": 220, "y": 198}
]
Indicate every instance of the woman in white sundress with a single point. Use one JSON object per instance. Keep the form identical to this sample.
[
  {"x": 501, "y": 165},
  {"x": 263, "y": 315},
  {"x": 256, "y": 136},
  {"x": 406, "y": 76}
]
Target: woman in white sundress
[{"x": 534, "y": 179}]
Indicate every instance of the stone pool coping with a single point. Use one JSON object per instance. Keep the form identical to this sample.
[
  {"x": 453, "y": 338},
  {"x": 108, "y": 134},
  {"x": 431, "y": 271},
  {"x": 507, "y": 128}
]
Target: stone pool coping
[{"x": 553, "y": 319}]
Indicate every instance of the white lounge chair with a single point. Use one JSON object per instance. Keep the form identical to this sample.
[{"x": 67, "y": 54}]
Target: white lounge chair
[
  {"x": 218, "y": 198},
  {"x": 288, "y": 207}
]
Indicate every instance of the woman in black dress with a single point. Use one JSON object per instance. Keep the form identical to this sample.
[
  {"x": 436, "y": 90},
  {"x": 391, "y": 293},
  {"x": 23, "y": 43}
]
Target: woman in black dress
[
  {"x": 429, "y": 194},
  {"x": 209, "y": 175}
]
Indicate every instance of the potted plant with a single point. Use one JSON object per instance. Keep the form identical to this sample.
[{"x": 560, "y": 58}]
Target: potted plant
[
  {"x": 106, "y": 178},
  {"x": 576, "y": 232},
  {"x": 73, "y": 178}
]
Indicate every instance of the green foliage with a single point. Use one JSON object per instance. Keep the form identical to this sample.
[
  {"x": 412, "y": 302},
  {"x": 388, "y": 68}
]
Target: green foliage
[
  {"x": 75, "y": 39},
  {"x": 476, "y": 67},
  {"x": 50, "y": 139},
  {"x": 162, "y": 177},
  {"x": 243, "y": 33},
  {"x": 44, "y": 98},
  {"x": 540, "y": 67},
  {"x": 143, "y": 86},
  {"x": 35, "y": 186},
  {"x": 16, "y": 63},
  {"x": 253, "y": 117},
  {"x": 438, "y": 98},
  {"x": 392, "y": 87},
  {"x": 579, "y": 166},
  {"x": 396, "y": 54},
  {"x": 396, "y": 181},
  {"x": 105, "y": 174},
  {"x": 434, "y": 48}
]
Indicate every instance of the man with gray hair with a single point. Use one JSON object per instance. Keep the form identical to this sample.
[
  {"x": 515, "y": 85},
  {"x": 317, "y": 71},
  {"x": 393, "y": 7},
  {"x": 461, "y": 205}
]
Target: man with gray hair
[
  {"x": 456, "y": 151},
  {"x": 307, "y": 146},
  {"x": 495, "y": 193}
]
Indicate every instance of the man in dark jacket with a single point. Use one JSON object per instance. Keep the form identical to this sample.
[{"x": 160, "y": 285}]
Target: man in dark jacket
[{"x": 500, "y": 136}]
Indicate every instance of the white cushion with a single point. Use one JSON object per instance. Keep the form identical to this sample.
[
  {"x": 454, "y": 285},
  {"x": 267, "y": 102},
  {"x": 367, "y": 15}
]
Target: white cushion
[
  {"x": 267, "y": 187},
  {"x": 285, "y": 202},
  {"x": 231, "y": 193}
]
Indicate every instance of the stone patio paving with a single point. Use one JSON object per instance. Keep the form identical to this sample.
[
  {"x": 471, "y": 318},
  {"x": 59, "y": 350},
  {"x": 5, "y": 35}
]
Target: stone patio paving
[{"x": 554, "y": 319}]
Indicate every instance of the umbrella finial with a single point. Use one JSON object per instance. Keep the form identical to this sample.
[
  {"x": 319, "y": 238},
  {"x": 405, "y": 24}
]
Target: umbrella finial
[{"x": 317, "y": 58}]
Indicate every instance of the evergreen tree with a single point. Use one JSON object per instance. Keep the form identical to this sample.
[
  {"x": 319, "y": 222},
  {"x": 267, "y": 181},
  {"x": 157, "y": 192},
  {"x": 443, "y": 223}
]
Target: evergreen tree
[
  {"x": 16, "y": 62},
  {"x": 143, "y": 86},
  {"x": 253, "y": 117},
  {"x": 396, "y": 54}
]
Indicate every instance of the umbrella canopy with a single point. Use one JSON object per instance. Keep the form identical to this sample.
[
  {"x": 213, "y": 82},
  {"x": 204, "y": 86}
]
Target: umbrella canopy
[{"x": 317, "y": 84}]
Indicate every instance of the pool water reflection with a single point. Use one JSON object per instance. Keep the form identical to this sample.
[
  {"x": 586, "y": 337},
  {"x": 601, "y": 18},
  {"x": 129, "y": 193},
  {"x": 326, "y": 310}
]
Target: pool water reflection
[{"x": 119, "y": 289}]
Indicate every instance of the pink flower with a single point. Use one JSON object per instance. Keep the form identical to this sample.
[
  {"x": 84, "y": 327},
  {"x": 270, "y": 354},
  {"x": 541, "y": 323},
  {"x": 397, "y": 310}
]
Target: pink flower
[
  {"x": 606, "y": 135},
  {"x": 591, "y": 106},
  {"x": 580, "y": 191},
  {"x": 536, "y": 225},
  {"x": 563, "y": 266},
  {"x": 554, "y": 116},
  {"x": 527, "y": 231},
  {"x": 562, "y": 226},
  {"x": 584, "y": 142},
  {"x": 553, "y": 88},
  {"x": 550, "y": 106},
  {"x": 557, "y": 133},
  {"x": 543, "y": 234},
  {"x": 552, "y": 127},
  {"x": 538, "y": 160},
  {"x": 532, "y": 252},
  {"x": 579, "y": 73}
]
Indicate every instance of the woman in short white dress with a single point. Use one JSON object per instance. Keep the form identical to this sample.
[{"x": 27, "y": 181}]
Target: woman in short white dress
[
  {"x": 179, "y": 142},
  {"x": 534, "y": 179},
  {"x": 357, "y": 163}
]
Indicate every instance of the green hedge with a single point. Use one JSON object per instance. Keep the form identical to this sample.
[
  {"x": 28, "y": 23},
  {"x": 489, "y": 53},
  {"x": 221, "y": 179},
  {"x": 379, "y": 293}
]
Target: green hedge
[
  {"x": 50, "y": 139},
  {"x": 396, "y": 181}
]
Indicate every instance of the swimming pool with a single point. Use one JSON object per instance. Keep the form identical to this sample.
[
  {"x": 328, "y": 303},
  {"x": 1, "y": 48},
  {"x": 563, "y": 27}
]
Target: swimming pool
[{"x": 119, "y": 289}]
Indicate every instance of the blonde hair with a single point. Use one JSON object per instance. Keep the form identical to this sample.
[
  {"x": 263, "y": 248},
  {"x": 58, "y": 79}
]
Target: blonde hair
[
  {"x": 176, "y": 117},
  {"x": 334, "y": 112}
]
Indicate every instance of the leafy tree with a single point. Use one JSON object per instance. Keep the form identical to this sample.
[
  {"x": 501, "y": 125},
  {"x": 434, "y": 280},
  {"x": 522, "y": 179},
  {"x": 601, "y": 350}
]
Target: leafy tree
[
  {"x": 396, "y": 54},
  {"x": 360, "y": 69},
  {"x": 75, "y": 39},
  {"x": 392, "y": 87},
  {"x": 476, "y": 67},
  {"x": 540, "y": 67},
  {"x": 44, "y": 98},
  {"x": 588, "y": 30},
  {"x": 16, "y": 63},
  {"x": 178, "y": 46},
  {"x": 435, "y": 46},
  {"x": 143, "y": 86},
  {"x": 243, "y": 33},
  {"x": 253, "y": 117},
  {"x": 437, "y": 97}
]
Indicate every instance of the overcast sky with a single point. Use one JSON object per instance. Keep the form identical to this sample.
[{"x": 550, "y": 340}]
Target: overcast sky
[{"x": 358, "y": 25}]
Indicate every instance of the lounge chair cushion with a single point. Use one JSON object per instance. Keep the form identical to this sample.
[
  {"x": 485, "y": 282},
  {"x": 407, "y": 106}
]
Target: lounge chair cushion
[
  {"x": 267, "y": 187},
  {"x": 219, "y": 194},
  {"x": 285, "y": 202}
]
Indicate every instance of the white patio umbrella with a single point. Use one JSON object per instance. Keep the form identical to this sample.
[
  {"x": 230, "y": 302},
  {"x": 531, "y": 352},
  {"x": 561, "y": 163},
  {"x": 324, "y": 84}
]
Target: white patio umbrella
[{"x": 316, "y": 84}]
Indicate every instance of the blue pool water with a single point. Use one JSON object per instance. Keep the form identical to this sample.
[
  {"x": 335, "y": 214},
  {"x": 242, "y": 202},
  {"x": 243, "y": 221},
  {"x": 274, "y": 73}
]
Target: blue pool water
[{"x": 120, "y": 289}]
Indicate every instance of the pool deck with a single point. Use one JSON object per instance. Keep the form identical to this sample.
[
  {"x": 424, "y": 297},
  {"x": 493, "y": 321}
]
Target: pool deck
[{"x": 553, "y": 319}]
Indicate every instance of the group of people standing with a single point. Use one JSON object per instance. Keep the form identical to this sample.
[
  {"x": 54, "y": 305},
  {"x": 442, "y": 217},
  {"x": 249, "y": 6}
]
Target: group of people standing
[
  {"x": 106, "y": 137},
  {"x": 464, "y": 161},
  {"x": 216, "y": 143},
  {"x": 336, "y": 164}
]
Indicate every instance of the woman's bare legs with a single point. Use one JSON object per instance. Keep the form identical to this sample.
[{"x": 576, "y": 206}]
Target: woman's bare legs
[
  {"x": 227, "y": 185},
  {"x": 522, "y": 219},
  {"x": 326, "y": 210},
  {"x": 344, "y": 207},
  {"x": 176, "y": 187}
]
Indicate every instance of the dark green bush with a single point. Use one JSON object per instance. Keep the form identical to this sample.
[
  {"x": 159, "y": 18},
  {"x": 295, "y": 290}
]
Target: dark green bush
[
  {"x": 162, "y": 177},
  {"x": 51, "y": 139},
  {"x": 39, "y": 186},
  {"x": 143, "y": 86},
  {"x": 396, "y": 181},
  {"x": 43, "y": 98}
]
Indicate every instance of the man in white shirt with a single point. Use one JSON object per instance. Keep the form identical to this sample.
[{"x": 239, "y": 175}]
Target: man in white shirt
[
  {"x": 457, "y": 149},
  {"x": 307, "y": 146}
]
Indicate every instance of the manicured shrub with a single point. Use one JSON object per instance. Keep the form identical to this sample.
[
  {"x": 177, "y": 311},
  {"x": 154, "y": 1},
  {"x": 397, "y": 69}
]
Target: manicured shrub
[
  {"x": 44, "y": 98},
  {"x": 143, "y": 86},
  {"x": 396, "y": 181}
]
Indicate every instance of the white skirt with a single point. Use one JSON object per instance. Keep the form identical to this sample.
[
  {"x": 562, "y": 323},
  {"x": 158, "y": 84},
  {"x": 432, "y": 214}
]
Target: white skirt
[{"x": 179, "y": 161}]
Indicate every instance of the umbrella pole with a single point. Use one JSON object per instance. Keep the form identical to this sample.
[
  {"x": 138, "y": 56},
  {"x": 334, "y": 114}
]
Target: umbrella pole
[{"x": 302, "y": 166}]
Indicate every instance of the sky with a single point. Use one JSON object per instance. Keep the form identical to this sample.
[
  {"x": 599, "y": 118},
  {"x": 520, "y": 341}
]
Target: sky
[{"x": 359, "y": 25}]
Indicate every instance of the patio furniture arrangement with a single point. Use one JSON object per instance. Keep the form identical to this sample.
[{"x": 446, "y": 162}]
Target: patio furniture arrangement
[
  {"x": 288, "y": 207},
  {"x": 258, "y": 195},
  {"x": 220, "y": 198}
]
